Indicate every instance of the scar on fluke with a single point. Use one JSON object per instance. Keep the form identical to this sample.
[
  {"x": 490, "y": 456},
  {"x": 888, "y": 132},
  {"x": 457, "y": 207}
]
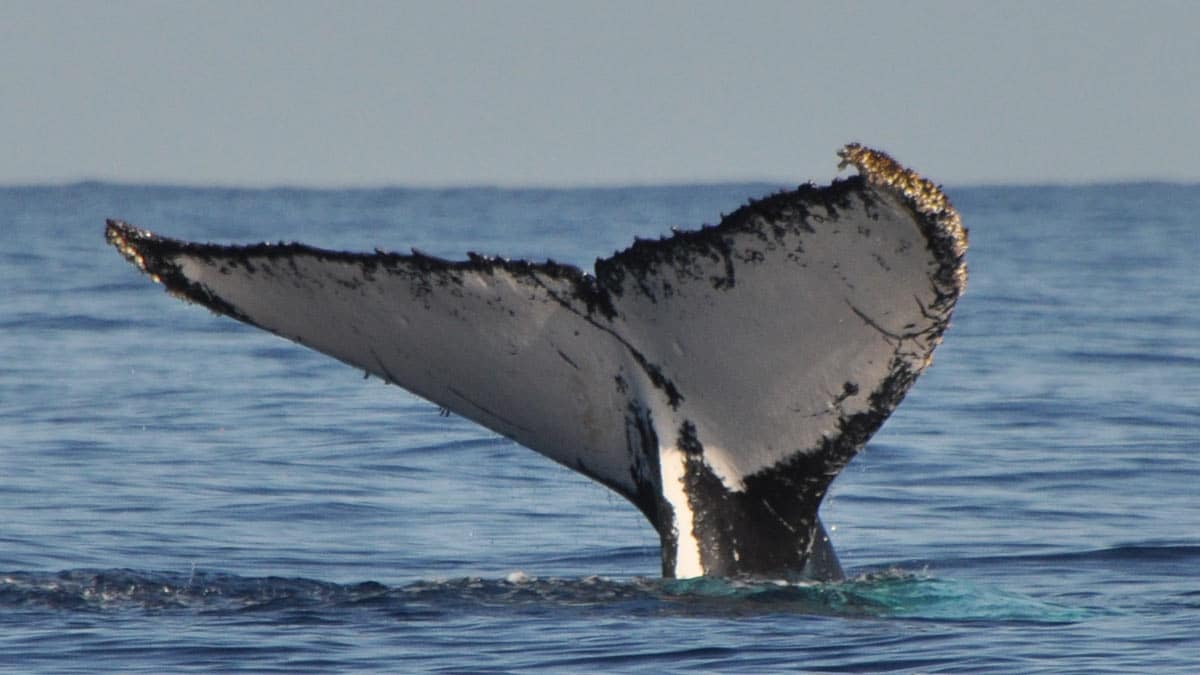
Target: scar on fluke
[{"x": 717, "y": 378}]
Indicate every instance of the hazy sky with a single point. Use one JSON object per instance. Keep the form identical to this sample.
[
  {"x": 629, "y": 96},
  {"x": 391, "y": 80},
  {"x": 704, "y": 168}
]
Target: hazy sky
[{"x": 570, "y": 92}]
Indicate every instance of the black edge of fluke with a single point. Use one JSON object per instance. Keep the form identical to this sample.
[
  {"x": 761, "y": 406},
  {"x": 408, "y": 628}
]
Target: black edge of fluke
[
  {"x": 940, "y": 221},
  {"x": 151, "y": 254}
]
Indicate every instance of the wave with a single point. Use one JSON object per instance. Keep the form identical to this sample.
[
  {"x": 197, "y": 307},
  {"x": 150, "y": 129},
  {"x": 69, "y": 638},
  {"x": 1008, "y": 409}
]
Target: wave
[
  {"x": 1123, "y": 555},
  {"x": 886, "y": 594}
]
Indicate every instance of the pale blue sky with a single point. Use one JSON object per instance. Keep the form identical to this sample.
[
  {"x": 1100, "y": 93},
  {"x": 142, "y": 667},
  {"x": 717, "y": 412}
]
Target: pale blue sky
[{"x": 562, "y": 93}]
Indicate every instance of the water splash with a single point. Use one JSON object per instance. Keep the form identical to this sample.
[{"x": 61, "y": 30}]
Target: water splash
[{"x": 892, "y": 594}]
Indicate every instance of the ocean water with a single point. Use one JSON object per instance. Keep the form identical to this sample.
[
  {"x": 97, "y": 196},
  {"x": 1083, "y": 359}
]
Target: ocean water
[{"x": 181, "y": 492}]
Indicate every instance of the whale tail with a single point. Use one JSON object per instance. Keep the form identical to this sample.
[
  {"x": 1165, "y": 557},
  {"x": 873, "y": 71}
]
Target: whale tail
[{"x": 719, "y": 379}]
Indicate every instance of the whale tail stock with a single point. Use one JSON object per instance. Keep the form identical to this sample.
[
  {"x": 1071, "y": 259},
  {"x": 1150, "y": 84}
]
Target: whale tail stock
[{"x": 718, "y": 378}]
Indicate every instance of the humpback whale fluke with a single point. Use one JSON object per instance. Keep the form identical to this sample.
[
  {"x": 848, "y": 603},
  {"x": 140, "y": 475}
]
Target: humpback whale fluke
[{"x": 719, "y": 379}]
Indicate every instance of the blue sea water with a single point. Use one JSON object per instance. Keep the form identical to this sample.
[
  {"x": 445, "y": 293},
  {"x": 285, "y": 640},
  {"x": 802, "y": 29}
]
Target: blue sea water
[{"x": 181, "y": 492}]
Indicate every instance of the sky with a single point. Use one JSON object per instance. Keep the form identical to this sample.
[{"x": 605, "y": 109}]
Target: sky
[{"x": 332, "y": 94}]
